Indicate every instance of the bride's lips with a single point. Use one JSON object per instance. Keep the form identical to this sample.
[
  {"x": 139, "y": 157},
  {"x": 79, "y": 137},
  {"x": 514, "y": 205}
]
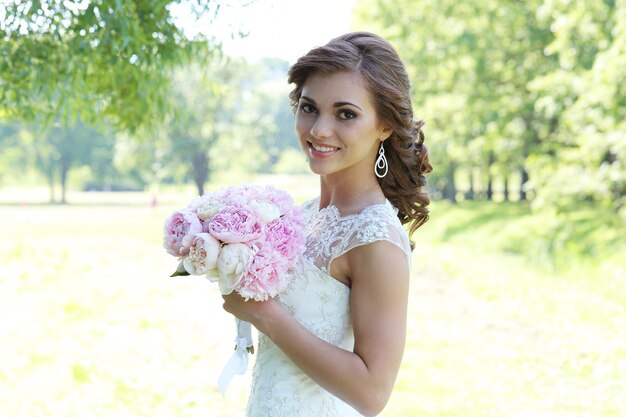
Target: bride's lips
[{"x": 322, "y": 150}]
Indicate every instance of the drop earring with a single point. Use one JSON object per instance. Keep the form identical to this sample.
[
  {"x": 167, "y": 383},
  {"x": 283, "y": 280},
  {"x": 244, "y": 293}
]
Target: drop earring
[{"x": 381, "y": 163}]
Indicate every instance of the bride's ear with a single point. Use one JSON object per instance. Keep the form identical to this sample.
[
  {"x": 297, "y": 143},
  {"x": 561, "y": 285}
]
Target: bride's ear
[{"x": 385, "y": 133}]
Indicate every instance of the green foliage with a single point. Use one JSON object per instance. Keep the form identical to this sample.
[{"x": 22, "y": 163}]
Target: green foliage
[
  {"x": 92, "y": 60},
  {"x": 141, "y": 162},
  {"x": 586, "y": 95},
  {"x": 57, "y": 150},
  {"x": 202, "y": 100},
  {"x": 226, "y": 116},
  {"x": 229, "y": 116},
  {"x": 530, "y": 87},
  {"x": 11, "y": 157}
]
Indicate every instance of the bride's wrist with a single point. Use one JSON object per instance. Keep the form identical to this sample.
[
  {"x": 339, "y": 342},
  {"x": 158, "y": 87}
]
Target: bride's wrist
[{"x": 267, "y": 317}]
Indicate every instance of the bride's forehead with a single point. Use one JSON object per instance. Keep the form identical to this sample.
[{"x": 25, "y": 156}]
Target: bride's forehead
[{"x": 335, "y": 86}]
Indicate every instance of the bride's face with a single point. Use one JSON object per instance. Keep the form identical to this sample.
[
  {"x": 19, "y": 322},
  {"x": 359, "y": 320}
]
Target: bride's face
[{"x": 337, "y": 125}]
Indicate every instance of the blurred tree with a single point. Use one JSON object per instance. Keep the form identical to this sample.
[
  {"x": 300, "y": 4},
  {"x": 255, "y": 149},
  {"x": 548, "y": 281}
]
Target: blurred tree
[
  {"x": 584, "y": 103},
  {"x": 59, "y": 148},
  {"x": 141, "y": 162},
  {"x": 534, "y": 87},
  {"x": 204, "y": 100},
  {"x": 93, "y": 59},
  {"x": 470, "y": 63},
  {"x": 274, "y": 117},
  {"x": 262, "y": 127},
  {"x": 12, "y": 158},
  {"x": 229, "y": 115}
]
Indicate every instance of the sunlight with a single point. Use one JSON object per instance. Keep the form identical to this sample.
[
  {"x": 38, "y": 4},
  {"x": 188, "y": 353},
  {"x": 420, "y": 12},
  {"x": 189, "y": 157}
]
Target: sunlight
[{"x": 273, "y": 28}]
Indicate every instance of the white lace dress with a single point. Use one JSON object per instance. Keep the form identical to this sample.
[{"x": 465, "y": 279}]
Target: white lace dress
[{"x": 321, "y": 304}]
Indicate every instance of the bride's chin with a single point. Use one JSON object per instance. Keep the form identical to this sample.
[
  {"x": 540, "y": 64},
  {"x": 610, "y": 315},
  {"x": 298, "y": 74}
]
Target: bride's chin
[{"x": 317, "y": 169}]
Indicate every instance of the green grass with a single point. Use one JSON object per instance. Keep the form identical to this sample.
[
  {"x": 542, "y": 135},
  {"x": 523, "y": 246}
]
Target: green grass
[
  {"x": 490, "y": 336},
  {"x": 495, "y": 330},
  {"x": 91, "y": 324},
  {"x": 553, "y": 241}
]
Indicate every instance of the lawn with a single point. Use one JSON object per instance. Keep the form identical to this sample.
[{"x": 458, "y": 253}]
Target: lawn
[{"x": 92, "y": 325}]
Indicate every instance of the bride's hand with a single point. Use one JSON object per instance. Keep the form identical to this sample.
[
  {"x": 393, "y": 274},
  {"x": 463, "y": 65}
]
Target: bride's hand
[{"x": 251, "y": 311}]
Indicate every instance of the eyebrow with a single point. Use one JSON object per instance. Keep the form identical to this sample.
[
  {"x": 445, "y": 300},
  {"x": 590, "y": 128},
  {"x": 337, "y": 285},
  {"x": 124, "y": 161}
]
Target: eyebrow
[{"x": 337, "y": 104}]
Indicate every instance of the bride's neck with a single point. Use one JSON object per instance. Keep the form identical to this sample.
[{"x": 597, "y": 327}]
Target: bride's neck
[{"x": 349, "y": 194}]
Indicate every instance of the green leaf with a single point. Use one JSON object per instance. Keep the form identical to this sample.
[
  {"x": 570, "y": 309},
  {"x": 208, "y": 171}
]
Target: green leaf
[{"x": 180, "y": 271}]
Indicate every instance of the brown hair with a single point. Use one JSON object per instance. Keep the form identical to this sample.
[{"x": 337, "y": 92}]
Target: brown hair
[{"x": 388, "y": 83}]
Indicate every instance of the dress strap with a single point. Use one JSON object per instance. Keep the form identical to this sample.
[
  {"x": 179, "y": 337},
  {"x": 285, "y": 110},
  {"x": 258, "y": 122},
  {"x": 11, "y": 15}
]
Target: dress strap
[{"x": 331, "y": 235}]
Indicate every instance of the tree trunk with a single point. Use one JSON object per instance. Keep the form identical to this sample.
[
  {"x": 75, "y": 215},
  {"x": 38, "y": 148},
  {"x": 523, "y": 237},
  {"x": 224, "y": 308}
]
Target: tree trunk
[
  {"x": 523, "y": 181},
  {"x": 65, "y": 167},
  {"x": 471, "y": 194},
  {"x": 489, "y": 193},
  {"x": 490, "y": 162},
  {"x": 449, "y": 190},
  {"x": 506, "y": 188},
  {"x": 200, "y": 162}
]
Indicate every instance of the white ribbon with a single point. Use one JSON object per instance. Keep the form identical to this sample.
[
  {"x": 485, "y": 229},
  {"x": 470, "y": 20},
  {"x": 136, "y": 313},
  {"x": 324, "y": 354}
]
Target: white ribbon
[{"x": 238, "y": 362}]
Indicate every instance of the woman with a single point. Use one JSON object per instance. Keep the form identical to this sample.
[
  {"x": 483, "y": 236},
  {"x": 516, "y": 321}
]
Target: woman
[{"x": 332, "y": 344}]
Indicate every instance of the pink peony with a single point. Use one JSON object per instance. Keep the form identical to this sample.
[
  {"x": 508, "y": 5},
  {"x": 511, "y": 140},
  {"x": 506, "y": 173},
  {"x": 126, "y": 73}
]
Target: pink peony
[
  {"x": 286, "y": 237},
  {"x": 267, "y": 275},
  {"x": 240, "y": 194},
  {"x": 179, "y": 231},
  {"x": 202, "y": 254},
  {"x": 234, "y": 224}
]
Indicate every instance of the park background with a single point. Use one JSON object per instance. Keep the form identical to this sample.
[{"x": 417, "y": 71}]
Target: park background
[{"x": 115, "y": 113}]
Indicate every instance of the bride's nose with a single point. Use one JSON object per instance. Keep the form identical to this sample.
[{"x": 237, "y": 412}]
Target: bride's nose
[{"x": 322, "y": 128}]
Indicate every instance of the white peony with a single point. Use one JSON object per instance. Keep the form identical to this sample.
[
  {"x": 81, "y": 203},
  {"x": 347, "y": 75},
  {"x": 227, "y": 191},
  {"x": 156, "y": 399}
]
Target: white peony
[
  {"x": 209, "y": 208},
  {"x": 202, "y": 254},
  {"x": 265, "y": 211},
  {"x": 232, "y": 264}
]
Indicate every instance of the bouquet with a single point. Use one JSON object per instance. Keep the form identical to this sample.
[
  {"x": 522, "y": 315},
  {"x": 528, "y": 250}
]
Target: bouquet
[{"x": 246, "y": 239}]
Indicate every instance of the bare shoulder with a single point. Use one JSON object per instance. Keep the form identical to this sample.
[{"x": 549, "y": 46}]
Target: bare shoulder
[{"x": 378, "y": 263}]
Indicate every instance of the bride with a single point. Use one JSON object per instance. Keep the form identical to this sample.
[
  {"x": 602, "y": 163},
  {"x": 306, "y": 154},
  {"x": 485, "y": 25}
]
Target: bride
[{"x": 332, "y": 343}]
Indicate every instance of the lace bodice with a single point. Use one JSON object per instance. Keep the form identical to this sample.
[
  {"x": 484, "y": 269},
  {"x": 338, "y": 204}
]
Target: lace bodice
[{"x": 322, "y": 304}]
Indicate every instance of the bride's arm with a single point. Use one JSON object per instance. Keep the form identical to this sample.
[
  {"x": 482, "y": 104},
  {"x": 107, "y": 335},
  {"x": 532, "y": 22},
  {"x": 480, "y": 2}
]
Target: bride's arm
[{"x": 365, "y": 377}]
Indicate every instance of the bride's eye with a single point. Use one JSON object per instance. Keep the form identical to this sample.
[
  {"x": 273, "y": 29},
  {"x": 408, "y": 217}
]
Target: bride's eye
[
  {"x": 307, "y": 108},
  {"x": 346, "y": 115}
]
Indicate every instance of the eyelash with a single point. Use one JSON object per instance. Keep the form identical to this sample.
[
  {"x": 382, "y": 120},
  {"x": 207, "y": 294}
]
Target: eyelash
[
  {"x": 348, "y": 115},
  {"x": 342, "y": 114},
  {"x": 307, "y": 108}
]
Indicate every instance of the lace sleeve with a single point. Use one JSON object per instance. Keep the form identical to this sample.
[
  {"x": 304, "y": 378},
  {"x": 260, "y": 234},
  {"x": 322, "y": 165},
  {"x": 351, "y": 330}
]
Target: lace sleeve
[
  {"x": 374, "y": 224},
  {"x": 330, "y": 235}
]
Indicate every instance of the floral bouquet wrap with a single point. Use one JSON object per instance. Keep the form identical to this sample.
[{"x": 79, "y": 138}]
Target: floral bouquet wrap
[{"x": 247, "y": 239}]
